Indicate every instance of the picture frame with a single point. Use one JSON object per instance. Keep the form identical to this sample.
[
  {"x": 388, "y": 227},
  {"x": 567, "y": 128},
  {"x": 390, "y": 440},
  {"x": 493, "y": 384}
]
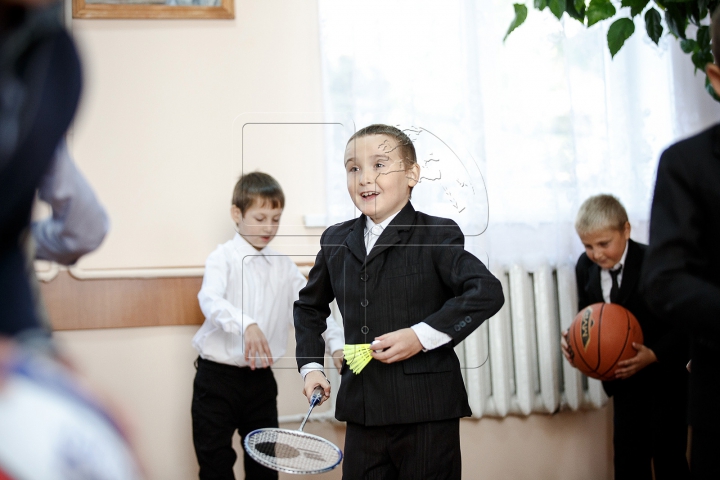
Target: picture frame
[{"x": 150, "y": 9}]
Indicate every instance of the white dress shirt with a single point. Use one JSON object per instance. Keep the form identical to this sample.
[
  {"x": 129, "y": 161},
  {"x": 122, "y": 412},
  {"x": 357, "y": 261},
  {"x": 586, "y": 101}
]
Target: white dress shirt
[
  {"x": 606, "y": 279},
  {"x": 243, "y": 286}
]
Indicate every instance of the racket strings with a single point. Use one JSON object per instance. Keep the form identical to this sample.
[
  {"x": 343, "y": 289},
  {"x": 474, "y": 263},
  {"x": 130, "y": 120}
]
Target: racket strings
[
  {"x": 357, "y": 356},
  {"x": 292, "y": 451}
]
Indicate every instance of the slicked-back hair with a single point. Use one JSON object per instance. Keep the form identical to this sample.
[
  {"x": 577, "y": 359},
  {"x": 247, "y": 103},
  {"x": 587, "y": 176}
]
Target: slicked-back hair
[
  {"x": 715, "y": 32},
  {"x": 257, "y": 186},
  {"x": 599, "y": 213},
  {"x": 405, "y": 145}
]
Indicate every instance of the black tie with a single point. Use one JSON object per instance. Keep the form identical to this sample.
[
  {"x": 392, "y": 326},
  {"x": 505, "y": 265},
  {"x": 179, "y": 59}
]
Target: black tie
[{"x": 615, "y": 289}]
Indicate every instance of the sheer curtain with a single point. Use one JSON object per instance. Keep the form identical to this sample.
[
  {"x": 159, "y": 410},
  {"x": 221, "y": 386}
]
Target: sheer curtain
[{"x": 511, "y": 137}]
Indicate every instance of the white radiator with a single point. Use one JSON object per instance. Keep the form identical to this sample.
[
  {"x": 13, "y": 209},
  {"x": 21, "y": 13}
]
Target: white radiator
[{"x": 512, "y": 364}]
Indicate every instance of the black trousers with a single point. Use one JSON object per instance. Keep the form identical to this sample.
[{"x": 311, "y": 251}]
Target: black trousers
[
  {"x": 417, "y": 451},
  {"x": 650, "y": 425},
  {"x": 225, "y": 399},
  {"x": 704, "y": 452}
]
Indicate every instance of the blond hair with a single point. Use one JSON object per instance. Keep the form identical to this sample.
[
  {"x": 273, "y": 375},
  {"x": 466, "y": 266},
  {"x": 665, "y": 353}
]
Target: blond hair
[{"x": 600, "y": 212}]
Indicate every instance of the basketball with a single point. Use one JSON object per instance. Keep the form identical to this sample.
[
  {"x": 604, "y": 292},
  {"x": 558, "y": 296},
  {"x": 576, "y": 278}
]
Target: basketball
[{"x": 602, "y": 335}]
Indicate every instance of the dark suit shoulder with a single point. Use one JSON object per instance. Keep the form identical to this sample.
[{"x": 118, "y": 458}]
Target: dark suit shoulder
[
  {"x": 583, "y": 262},
  {"x": 425, "y": 219},
  {"x": 336, "y": 234},
  {"x": 693, "y": 150}
]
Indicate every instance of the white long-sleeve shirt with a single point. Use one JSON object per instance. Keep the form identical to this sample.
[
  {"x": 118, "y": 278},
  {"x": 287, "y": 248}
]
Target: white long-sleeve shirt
[{"x": 243, "y": 286}]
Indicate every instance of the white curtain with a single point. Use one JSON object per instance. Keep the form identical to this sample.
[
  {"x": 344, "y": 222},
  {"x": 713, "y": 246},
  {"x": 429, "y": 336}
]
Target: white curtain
[{"x": 512, "y": 137}]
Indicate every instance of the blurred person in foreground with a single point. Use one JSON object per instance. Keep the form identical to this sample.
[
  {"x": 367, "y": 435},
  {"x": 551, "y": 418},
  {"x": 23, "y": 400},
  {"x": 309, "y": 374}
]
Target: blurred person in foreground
[
  {"x": 681, "y": 275},
  {"x": 51, "y": 425}
]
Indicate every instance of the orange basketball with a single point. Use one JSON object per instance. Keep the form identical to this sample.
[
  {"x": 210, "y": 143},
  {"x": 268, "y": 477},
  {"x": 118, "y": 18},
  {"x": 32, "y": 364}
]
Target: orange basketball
[{"x": 602, "y": 335}]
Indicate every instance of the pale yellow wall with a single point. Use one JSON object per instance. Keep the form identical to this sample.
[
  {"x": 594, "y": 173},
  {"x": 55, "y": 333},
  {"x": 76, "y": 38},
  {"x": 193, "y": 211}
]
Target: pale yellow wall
[
  {"x": 157, "y": 126},
  {"x": 156, "y": 136}
]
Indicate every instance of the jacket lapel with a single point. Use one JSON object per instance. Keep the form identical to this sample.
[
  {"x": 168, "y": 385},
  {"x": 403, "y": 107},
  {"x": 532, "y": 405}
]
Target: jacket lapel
[
  {"x": 593, "y": 286},
  {"x": 392, "y": 234},
  {"x": 631, "y": 272},
  {"x": 356, "y": 240}
]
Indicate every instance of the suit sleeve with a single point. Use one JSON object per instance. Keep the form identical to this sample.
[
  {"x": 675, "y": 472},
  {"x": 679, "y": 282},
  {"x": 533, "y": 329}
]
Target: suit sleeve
[
  {"x": 477, "y": 294},
  {"x": 671, "y": 278},
  {"x": 311, "y": 312}
]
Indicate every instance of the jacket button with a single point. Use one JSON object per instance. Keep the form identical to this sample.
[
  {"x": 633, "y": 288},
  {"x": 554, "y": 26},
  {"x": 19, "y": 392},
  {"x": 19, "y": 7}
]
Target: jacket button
[
  {"x": 468, "y": 319},
  {"x": 462, "y": 323},
  {"x": 364, "y": 303},
  {"x": 457, "y": 328},
  {"x": 364, "y": 277},
  {"x": 365, "y": 330}
]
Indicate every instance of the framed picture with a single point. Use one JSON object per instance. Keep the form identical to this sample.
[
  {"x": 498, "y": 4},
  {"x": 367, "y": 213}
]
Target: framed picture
[{"x": 153, "y": 8}]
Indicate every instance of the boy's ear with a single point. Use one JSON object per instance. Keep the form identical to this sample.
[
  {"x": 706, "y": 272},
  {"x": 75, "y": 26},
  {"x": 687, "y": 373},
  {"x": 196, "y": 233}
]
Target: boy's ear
[
  {"x": 626, "y": 231},
  {"x": 236, "y": 214},
  {"x": 713, "y": 73},
  {"x": 413, "y": 174}
]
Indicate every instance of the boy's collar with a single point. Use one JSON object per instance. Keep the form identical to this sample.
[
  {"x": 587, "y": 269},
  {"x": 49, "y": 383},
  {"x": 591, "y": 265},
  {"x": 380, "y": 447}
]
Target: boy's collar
[{"x": 369, "y": 223}]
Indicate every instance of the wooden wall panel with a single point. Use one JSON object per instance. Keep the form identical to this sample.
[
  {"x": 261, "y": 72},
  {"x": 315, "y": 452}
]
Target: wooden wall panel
[{"x": 112, "y": 303}]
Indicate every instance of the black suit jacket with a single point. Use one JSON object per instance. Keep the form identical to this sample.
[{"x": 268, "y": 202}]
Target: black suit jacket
[
  {"x": 418, "y": 271},
  {"x": 668, "y": 343},
  {"x": 681, "y": 274}
]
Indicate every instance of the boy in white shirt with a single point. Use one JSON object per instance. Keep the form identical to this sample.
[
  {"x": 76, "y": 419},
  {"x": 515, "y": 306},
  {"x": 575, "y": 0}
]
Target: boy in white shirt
[{"x": 247, "y": 298}]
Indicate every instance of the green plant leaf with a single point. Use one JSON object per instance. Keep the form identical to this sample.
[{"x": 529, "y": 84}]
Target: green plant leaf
[
  {"x": 676, "y": 17},
  {"x": 599, "y": 10},
  {"x": 652, "y": 25},
  {"x": 619, "y": 31},
  {"x": 709, "y": 88},
  {"x": 701, "y": 58},
  {"x": 520, "y": 16},
  {"x": 636, "y": 6},
  {"x": 689, "y": 45},
  {"x": 541, "y": 4},
  {"x": 703, "y": 37},
  {"x": 557, "y": 7},
  {"x": 698, "y": 11},
  {"x": 575, "y": 12}
]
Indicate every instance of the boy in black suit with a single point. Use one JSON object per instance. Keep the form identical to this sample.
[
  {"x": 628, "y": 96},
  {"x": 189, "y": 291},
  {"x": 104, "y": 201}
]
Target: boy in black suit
[
  {"x": 403, "y": 279},
  {"x": 649, "y": 389},
  {"x": 682, "y": 269}
]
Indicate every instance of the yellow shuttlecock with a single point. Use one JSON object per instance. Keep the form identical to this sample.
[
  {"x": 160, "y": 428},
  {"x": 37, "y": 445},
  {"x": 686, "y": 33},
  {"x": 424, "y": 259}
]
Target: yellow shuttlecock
[{"x": 357, "y": 356}]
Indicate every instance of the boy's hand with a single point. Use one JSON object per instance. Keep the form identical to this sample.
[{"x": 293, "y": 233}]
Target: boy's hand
[
  {"x": 566, "y": 350},
  {"x": 396, "y": 346},
  {"x": 256, "y": 346},
  {"x": 312, "y": 380},
  {"x": 337, "y": 357},
  {"x": 628, "y": 368}
]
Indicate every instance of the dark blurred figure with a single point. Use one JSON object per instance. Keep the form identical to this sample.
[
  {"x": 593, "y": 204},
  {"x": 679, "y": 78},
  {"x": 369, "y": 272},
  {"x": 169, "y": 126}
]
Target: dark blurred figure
[
  {"x": 681, "y": 277},
  {"x": 40, "y": 86}
]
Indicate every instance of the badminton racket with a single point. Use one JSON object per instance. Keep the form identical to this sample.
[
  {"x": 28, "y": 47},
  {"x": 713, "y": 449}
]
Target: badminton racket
[{"x": 293, "y": 451}]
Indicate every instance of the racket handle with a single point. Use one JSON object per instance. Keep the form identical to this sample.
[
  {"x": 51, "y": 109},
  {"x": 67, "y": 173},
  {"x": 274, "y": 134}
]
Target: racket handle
[{"x": 316, "y": 396}]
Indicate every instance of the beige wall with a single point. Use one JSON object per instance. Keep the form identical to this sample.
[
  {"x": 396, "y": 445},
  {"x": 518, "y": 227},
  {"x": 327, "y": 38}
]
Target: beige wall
[{"x": 157, "y": 136}]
